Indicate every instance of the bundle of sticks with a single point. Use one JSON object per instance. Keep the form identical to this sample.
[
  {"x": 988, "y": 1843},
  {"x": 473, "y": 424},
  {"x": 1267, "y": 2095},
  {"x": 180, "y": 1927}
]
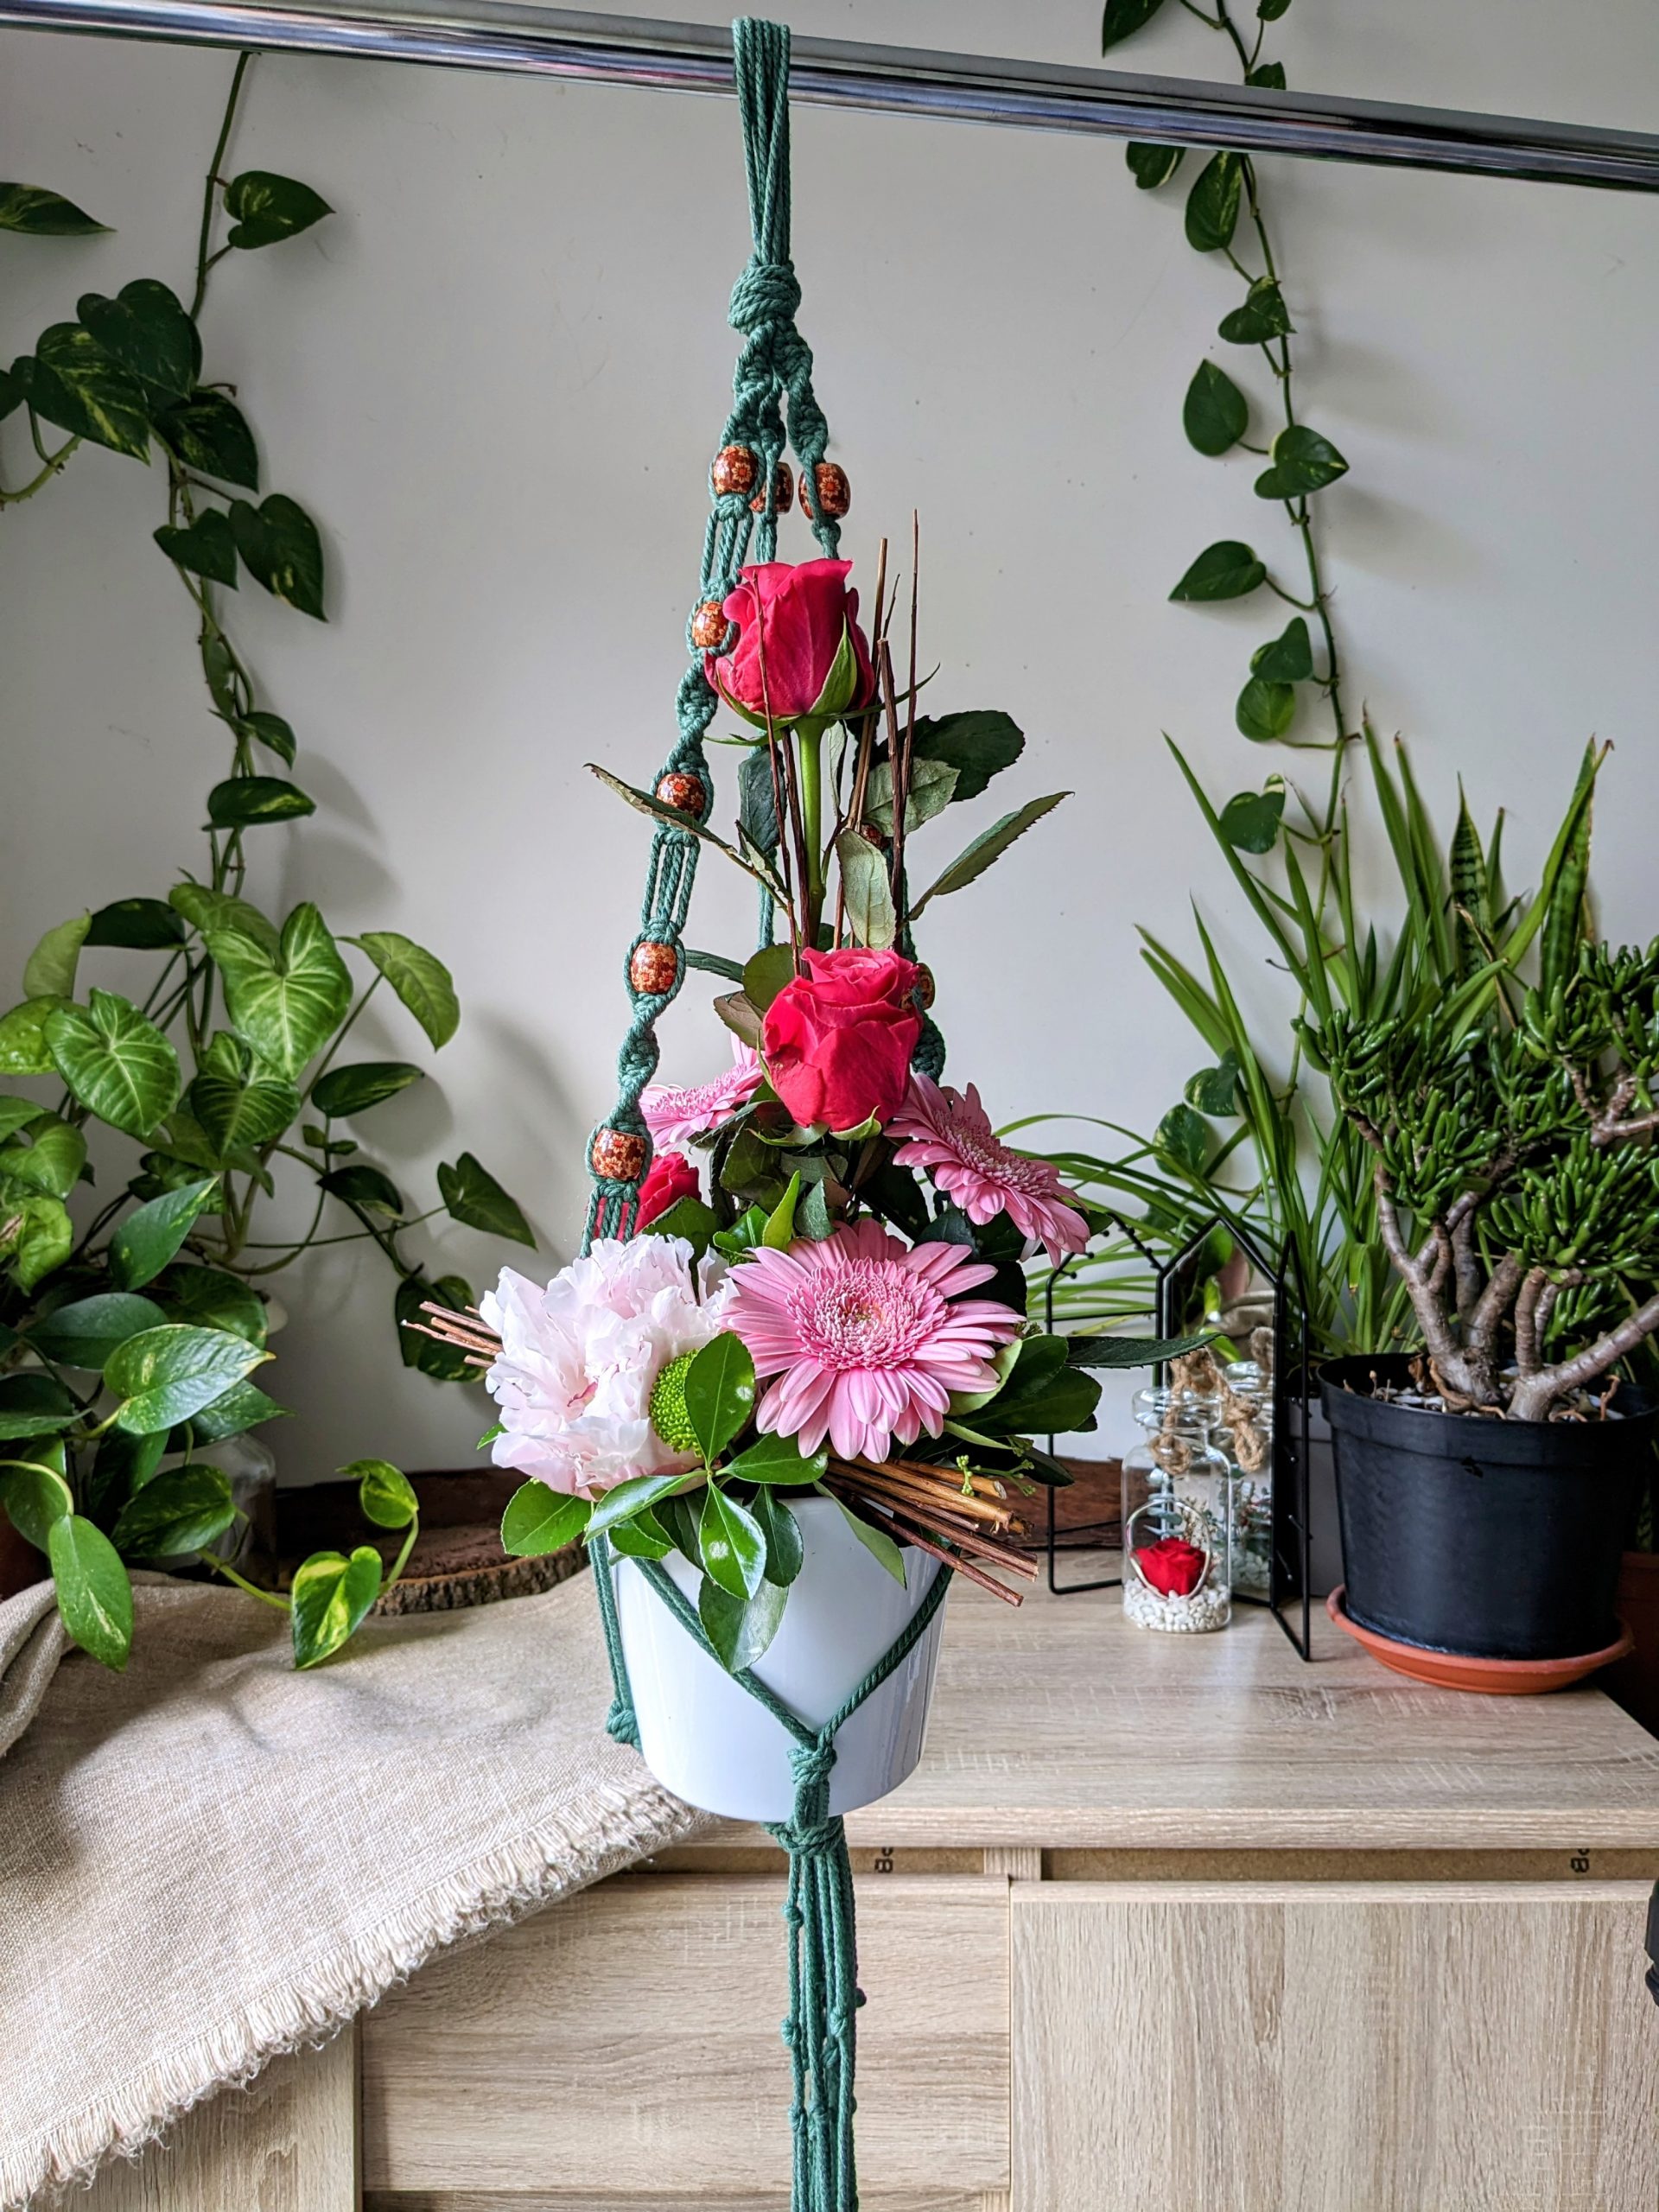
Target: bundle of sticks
[{"x": 967, "y": 1521}]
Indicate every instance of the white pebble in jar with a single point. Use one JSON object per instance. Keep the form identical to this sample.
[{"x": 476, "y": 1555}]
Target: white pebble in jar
[{"x": 1209, "y": 1606}]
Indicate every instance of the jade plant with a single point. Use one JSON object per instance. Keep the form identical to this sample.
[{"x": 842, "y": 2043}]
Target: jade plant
[
  {"x": 132, "y": 1308},
  {"x": 1516, "y": 1179}
]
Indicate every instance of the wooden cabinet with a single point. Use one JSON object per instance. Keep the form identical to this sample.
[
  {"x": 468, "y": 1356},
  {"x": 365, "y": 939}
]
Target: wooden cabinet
[{"x": 1161, "y": 1924}]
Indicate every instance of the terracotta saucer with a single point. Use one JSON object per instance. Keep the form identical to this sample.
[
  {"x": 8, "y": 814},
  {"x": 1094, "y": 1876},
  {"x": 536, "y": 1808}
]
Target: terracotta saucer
[{"x": 1453, "y": 1670}]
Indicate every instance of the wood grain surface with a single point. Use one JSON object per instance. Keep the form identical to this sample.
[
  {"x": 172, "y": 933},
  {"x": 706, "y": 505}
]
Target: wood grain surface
[
  {"x": 625, "y": 2043},
  {"x": 286, "y": 2143},
  {"x": 1333, "y": 2048}
]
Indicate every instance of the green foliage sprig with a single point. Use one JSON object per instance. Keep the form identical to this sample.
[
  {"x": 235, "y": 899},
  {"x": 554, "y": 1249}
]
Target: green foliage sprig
[{"x": 230, "y": 1063}]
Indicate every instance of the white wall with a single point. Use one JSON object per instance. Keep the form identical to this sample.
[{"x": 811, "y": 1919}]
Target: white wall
[{"x": 496, "y": 373}]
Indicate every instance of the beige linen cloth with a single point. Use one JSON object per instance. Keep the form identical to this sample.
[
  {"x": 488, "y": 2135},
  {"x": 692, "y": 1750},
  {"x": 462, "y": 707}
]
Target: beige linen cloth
[{"x": 211, "y": 1858}]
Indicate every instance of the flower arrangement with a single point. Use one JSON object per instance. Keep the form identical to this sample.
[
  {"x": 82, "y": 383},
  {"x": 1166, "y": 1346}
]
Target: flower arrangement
[{"x": 819, "y": 1289}]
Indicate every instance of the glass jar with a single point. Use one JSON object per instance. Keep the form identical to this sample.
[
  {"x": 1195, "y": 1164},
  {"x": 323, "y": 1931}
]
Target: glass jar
[
  {"x": 1177, "y": 1509},
  {"x": 1248, "y": 1446}
]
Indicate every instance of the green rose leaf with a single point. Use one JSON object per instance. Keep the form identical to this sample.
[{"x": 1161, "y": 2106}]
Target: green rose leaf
[
  {"x": 1265, "y": 711},
  {"x": 866, "y": 891},
  {"x": 49, "y": 971},
  {"x": 719, "y": 1392},
  {"x": 138, "y": 925},
  {"x": 1185, "y": 1137},
  {"x": 1213, "y": 204},
  {"x": 266, "y": 209},
  {"x": 878, "y": 1543},
  {"x": 73, "y": 383},
  {"x": 332, "y": 1597},
  {"x": 540, "y": 1519},
  {"x": 146, "y": 329},
  {"x": 739, "y": 1631},
  {"x": 932, "y": 787},
  {"x": 420, "y": 979},
  {"x": 208, "y": 910},
  {"x": 1226, "y": 570},
  {"x": 1303, "y": 462},
  {"x": 1215, "y": 414},
  {"x": 990, "y": 845},
  {"x": 353, "y": 1090},
  {"x": 210, "y": 432},
  {"x": 764, "y": 974},
  {"x": 241, "y": 801},
  {"x": 443, "y": 1362},
  {"x": 279, "y": 544},
  {"x": 686, "y": 1217},
  {"x": 34, "y": 1404},
  {"x": 779, "y": 1460},
  {"x": 206, "y": 548},
  {"x": 1151, "y": 166},
  {"x": 978, "y": 744},
  {"x": 37, "y": 1236},
  {"x": 366, "y": 1186},
  {"x": 46, "y": 1156},
  {"x": 1122, "y": 18},
  {"x": 384, "y": 1492},
  {"x": 185, "y": 1510},
  {"x": 472, "y": 1196},
  {"x": 1250, "y": 821},
  {"x": 287, "y": 1005},
  {"x": 213, "y": 1300},
  {"x": 22, "y": 1038},
  {"x": 94, "y": 1596},
  {"x": 1215, "y": 1091},
  {"x": 144, "y": 1243},
  {"x": 273, "y": 733},
  {"x": 782, "y": 1535},
  {"x": 116, "y": 1062},
  {"x": 813, "y": 1218},
  {"x": 1262, "y": 316},
  {"x": 88, "y": 1332},
  {"x": 35, "y": 1497},
  {"x": 243, "y": 1406},
  {"x": 34, "y": 212},
  {"x": 1287, "y": 659},
  {"x": 164, "y": 1375},
  {"x": 731, "y": 1545}
]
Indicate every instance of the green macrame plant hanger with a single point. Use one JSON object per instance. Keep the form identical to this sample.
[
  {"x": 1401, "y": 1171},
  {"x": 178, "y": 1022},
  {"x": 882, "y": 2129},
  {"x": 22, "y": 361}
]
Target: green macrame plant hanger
[{"x": 772, "y": 407}]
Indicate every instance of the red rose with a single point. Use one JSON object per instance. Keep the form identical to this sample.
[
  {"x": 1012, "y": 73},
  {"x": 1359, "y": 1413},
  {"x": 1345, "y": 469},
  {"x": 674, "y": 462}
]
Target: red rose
[
  {"x": 1174, "y": 1567},
  {"x": 803, "y": 622},
  {"x": 671, "y": 1178},
  {"x": 837, "y": 1040}
]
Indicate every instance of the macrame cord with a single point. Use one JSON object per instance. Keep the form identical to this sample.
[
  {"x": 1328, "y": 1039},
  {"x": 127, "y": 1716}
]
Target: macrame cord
[{"x": 772, "y": 404}]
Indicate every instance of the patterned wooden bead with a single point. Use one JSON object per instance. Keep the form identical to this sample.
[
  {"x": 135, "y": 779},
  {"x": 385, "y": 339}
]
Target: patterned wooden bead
[
  {"x": 686, "y": 792},
  {"x": 619, "y": 1155},
  {"x": 736, "y": 468},
  {"x": 925, "y": 987},
  {"x": 829, "y": 485},
  {"x": 871, "y": 834},
  {"x": 783, "y": 492},
  {"x": 708, "y": 626},
  {"x": 652, "y": 968}
]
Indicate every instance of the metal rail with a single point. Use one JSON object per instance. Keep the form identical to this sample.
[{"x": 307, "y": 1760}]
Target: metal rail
[{"x": 501, "y": 35}]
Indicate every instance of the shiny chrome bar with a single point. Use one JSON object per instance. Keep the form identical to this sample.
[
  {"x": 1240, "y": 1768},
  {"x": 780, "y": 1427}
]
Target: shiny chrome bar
[{"x": 498, "y": 35}]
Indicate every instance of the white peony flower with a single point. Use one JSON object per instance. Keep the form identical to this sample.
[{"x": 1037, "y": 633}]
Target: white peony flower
[{"x": 579, "y": 1358}]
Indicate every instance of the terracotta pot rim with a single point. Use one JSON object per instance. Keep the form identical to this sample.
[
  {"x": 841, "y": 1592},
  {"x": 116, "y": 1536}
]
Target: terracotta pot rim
[{"x": 1457, "y": 1670}]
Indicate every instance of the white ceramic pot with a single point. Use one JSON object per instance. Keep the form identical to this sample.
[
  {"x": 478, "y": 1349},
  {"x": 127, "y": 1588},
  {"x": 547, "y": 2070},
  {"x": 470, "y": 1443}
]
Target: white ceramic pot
[{"x": 708, "y": 1741}]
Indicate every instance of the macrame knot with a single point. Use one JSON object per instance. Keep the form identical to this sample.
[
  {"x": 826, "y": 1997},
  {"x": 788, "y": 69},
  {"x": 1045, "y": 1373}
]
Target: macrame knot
[{"x": 767, "y": 292}]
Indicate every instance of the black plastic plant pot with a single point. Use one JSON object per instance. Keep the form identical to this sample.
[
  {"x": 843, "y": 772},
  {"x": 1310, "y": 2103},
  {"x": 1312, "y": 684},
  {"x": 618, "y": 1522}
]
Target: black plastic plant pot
[{"x": 1494, "y": 1539}]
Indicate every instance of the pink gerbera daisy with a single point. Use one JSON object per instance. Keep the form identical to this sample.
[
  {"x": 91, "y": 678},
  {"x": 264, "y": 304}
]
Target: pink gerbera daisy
[
  {"x": 675, "y": 1114},
  {"x": 949, "y": 1135},
  {"x": 868, "y": 1337}
]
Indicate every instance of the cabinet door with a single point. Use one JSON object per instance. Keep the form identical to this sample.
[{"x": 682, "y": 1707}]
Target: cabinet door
[
  {"x": 1375, "y": 2047},
  {"x": 623, "y": 2047}
]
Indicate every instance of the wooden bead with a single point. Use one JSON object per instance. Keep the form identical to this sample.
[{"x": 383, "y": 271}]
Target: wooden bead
[
  {"x": 685, "y": 793},
  {"x": 783, "y": 492},
  {"x": 829, "y": 486},
  {"x": 708, "y": 626},
  {"x": 619, "y": 1155},
  {"x": 736, "y": 469},
  {"x": 925, "y": 987},
  {"x": 871, "y": 834},
  {"x": 652, "y": 968}
]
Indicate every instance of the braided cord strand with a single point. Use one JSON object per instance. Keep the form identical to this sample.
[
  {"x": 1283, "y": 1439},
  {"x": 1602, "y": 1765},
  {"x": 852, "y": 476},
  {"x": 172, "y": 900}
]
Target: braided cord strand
[{"x": 772, "y": 404}]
